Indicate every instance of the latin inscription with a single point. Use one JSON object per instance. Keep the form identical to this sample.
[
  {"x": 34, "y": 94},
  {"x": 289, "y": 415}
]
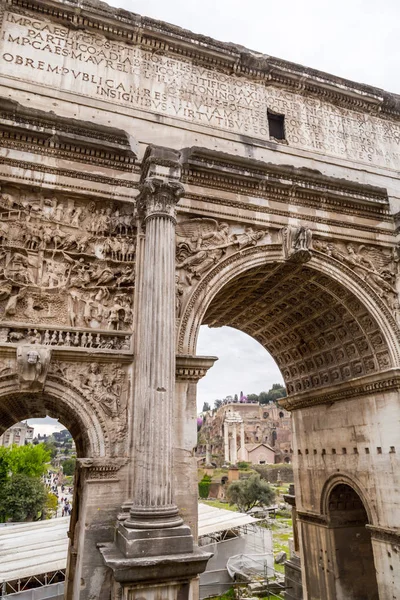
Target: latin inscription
[{"x": 91, "y": 65}]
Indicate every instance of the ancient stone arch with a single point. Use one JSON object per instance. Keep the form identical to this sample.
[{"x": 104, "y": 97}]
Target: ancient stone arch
[
  {"x": 87, "y": 428},
  {"x": 114, "y": 251}
]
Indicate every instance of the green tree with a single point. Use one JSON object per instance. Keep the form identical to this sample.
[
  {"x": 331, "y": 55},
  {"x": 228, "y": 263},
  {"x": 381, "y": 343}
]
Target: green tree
[
  {"x": 50, "y": 445},
  {"x": 247, "y": 493},
  {"x": 235, "y": 398},
  {"x": 273, "y": 395},
  {"x": 68, "y": 466},
  {"x": 204, "y": 486},
  {"x": 263, "y": 398},
  {"x": 252, "y": 397},
  {"x": 218, "y": 403},
  {"x": 27, "y": 460},
  {"x": 206, "y": 407},
  {"x": 22, "y": 498}
]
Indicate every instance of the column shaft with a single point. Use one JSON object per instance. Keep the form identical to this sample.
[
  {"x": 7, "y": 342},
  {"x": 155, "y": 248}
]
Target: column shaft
[
  {"x": 226, "y": 442},
  {"x": 234, "y": 445}
]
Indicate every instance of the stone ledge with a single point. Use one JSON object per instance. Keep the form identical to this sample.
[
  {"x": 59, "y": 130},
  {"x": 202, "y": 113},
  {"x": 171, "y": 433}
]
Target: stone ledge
[
  {"x": 155, "y": 568},
  {"x": 383, "y": 534},
  {"x": 347, "y": 390}
]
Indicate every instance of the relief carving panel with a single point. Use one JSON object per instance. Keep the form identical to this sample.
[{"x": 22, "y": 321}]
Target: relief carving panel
[
  {"x": 68, "y": 264},
  {"x": 201, "y": 243},
  {"x": 106, "y": 386}
]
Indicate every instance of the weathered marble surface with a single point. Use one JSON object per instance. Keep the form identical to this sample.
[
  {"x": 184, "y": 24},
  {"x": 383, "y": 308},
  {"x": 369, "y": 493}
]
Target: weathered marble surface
[{"x": 293, "y": 241}]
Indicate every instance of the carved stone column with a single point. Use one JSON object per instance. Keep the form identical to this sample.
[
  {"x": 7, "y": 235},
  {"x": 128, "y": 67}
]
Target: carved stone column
[
  {"x": 242, "y": 443},
  {"x": 153, "y": 507},
  {"x": 226, "y": 442},
  {"x": 234, "y": 445},
  {"x": 153, "y": 543},
  {"x": 208, "y": 455}
]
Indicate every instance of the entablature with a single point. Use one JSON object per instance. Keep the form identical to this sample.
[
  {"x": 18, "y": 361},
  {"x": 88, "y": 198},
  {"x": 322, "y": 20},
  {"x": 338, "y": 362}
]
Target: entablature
[{"x": 39, "y": 132}]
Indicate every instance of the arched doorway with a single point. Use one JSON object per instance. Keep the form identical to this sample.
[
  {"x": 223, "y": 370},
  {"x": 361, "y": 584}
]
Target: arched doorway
[
  {"x": 99, "y": 490},
  {"x": 355, "y": 576}
]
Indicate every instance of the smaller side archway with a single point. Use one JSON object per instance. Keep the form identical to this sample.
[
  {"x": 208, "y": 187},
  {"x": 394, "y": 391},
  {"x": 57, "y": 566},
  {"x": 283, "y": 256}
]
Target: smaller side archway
[{"x": 348, "y": 515}]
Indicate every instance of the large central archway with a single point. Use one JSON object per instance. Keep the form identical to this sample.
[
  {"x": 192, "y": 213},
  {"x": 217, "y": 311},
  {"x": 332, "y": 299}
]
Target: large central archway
[
  {"x": 335, "y": 342},
  {"x": 320, "y": 322}
]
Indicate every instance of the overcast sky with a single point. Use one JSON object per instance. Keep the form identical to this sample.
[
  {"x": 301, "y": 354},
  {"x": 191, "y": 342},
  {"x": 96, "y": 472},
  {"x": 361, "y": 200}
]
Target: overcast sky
[{"x": 355, "y": 39}]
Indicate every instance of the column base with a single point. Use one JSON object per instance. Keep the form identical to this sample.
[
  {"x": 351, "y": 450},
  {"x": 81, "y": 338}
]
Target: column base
[
  {"x": 171, "y": 567},
  {"x": 140, "y": 543}
]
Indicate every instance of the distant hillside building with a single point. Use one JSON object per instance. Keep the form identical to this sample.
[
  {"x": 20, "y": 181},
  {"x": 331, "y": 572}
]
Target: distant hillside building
[
  {"x": 256, "y": 433},
  {"x": 19, "y": 434}
]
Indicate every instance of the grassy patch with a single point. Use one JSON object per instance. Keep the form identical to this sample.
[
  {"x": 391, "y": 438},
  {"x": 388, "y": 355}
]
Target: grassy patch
[{"x": 218, "y": 504}]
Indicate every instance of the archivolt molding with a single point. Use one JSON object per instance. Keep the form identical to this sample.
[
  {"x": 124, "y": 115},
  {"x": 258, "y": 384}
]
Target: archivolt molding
[
  {"x": 61, "y": 399},
  {"x": 328, "y": 277},
  {"x": 209, "y": 286},
  {"x": 351, "y": 481}
]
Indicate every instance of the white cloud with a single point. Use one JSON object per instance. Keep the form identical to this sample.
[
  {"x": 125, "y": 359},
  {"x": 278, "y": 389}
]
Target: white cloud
[
  {"x": 45, "y": 426},
  {"x": 243, "y": 365},
  {"x": 356, "y": 39}
]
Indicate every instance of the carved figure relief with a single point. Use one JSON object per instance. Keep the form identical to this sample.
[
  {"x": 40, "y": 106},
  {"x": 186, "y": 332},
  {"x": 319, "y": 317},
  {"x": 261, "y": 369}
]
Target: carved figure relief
[
  {"x": 376, "y": 266},
  {"x": 296, "y": 243},
  {"x": 201, "y": 243},
  {"x": 32, "y": 367},
  {"x": 64, "y": 262},
  {"x": 64, "y": 338},
  {"x": 104, "y": 385}
]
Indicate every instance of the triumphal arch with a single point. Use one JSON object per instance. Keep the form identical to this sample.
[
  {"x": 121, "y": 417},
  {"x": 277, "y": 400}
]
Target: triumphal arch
[{"x": 153, "y": 180}]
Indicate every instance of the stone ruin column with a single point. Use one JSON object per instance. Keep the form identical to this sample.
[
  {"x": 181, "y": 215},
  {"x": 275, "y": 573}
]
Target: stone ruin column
[
  {"x": 226, "y": 442},
  {"x": 234, "y": 445},
  {"x": 154, "y": 527},
  {"x": 242, "y": 452},
  {"x": 208, "y": 455}
]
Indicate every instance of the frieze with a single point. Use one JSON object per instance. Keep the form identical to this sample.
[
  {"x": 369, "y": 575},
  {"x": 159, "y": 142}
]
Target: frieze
[
  {"x": 284, "y": 184},
  {"x": 66, "y": 262},
  {"x": 214, "y": 201},
  {"x": 65, "y": 338}
]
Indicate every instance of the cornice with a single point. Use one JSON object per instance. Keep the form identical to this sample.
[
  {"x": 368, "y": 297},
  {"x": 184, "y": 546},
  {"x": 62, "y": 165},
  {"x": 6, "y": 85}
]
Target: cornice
[
  {"x": 39, "y": 132},
  {"x": 382, "y": 534},
  {"x": 283, "y": 183},
  {"x": 192, "y": 368},
  {"x": 312, "y": 519},
  {"x": 83, "y": 175},
  {"x": 362, "y": 386},
  {"x": 150, "y": 33}
]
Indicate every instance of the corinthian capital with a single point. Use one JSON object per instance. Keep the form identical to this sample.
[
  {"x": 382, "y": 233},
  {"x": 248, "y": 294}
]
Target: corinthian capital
[
  {"x": 160, "y": 187},
  {"x": 158, "y": 197}
]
